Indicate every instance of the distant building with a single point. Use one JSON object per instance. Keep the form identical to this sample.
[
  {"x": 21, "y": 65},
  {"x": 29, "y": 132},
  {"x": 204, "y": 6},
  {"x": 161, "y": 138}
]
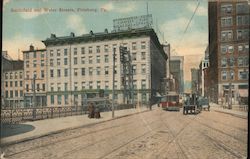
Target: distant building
[
  {"x": 11, "y": 81},
  {"x": 176, "y": 69},
  {"x": 35, "y": 65},
  {"x": 80, "y": 66},
  {"x": 228, "y": 49},
  {"x": 204, "y": 64},
  {"x": 194, "y": 80}
]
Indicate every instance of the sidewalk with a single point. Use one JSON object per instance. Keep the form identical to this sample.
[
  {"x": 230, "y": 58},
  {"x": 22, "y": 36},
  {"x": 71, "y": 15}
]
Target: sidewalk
[
  {"x": 237, "y": 113},
  {"x": 45, "y": 127}
]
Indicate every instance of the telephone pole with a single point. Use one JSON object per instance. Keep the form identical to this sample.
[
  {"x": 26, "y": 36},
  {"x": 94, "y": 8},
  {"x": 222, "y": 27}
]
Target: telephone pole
[{"x": 113, "y": 85}]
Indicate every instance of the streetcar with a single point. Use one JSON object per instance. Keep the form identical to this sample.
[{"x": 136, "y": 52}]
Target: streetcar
[{"x": 170, "y": 101}]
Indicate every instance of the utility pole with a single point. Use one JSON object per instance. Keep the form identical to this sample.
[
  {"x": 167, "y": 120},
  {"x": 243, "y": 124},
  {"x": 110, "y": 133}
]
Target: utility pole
[
  {"x": 34, "y": 97},
  {"x": 230, "y": 85},
  {"x": 113, "y": 85}
]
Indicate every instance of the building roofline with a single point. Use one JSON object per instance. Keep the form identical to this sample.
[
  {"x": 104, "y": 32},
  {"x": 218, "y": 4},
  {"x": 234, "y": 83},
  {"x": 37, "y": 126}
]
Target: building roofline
[
  {"x": 27, "y": 51},
  {"x": 92, "y": 37}
]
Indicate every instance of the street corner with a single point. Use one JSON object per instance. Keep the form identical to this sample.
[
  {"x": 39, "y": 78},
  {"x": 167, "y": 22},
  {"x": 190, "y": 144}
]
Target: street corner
[{"x": 9, "y": 130}]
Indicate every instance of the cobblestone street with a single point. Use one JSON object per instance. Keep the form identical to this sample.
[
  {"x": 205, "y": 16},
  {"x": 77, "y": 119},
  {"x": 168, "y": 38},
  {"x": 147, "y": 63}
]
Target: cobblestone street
[{"x": 154, "y": 134}]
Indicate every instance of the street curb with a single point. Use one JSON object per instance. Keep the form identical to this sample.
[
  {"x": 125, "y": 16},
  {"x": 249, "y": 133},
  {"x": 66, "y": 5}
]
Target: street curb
[
  {"x": 66, "y": 129},
  {"x": 236, "y": 115}
]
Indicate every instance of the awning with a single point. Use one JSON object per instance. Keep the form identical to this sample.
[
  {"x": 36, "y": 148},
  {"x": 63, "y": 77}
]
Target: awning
[{"x": 243, "y": 92}]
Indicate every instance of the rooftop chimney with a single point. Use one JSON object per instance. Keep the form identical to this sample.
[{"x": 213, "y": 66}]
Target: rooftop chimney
[
  {"x": 31, "y": 47},
  {"x": 72, "y": 34}
]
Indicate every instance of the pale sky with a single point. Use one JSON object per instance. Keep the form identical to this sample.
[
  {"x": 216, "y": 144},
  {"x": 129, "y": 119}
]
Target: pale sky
[{"x": 20, "y": 29}]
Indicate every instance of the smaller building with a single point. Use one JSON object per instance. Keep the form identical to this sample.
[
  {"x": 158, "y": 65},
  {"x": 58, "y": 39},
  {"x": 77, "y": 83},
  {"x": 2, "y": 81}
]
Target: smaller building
[
  {"x": 176, "y": 69},
  {"x": 13, "y": 89},
  {"x": 194, "y": 80}
]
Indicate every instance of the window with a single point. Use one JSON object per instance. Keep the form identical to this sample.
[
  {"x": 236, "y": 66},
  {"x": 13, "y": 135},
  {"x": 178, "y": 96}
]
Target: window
[
  {"x": 90, "y": 50},
  {"x": 27, "y": 64},
  {"x": 38, "y": 87},
  {"x": 143, "y": 56},
  {"x": 42, "y": 73},
  {"x": 27, "y": 88},
  {"x": 243, "y": 34},
  {"x": 6, "y": 75},
  {"x": 11, "y": 76},
  {"x": 65, "y": 86},
  {"x": 90, "y": 71},
  {"x": 6, "y": 84},
  {"x": 59, "y": 99},
  {"x": 58, "y": 52},
  {"x": 11, "y": 84},
  {"x": 51, "y": 53},
  {"x": 134, "y": 69},
  {"x": 134, "y": 46},
  {"x": 21, "y": 93},
  {"x": 97, "y": 49},
  {"x": 65, "y": 52},
  {"x": 52, "y": 87},
  {"x": 75, "y": 71},
  {"x": 51, "y": 62},
  {"x": 98, "y": 59},
  {"x": 42, "y": 63},
  {"x": 20, "y": 75},
  {"x": 223, "y": 62},
  {"x": 106, "y": 58},
  {"x": 65, "y": 61},
  {"x": 34, "y": 63},
  {"x": 42, "y": 54},
  {"x": 242, "y": 8},
  {"x": 75, "y": 86},
  {"x": 35, "y": 74},
  {"x": 51, "y": 73},
  {"x": 240, "y": 61},
  {"x": 16, "y": 93},
  {"x": 90, "y": 59},
  {"x": 143, "y": 68},
  {"x": 83, "y": 60},
  {"x": 11, "y": 94},
  {"x": 27, "y": 74},
  {"x": 90, "y": 85},
  {"x": 134, "y": 56},
  {"x": 98, "y": 71},
  {"x": 66, "y": 99},
  {"x": 106, "y": 48},
  {"x": 15, "y": 75},
  {"x": 83, "y": 71},
  {"x": 6, "y": 94},
  {"x": 16, "y": 85},
  {"x": 223, "y": 75},
  {"x": 83, "y": 85},
  {"x": 21, "y": 83},
  {"x": 135, "y": 84},
  {"x": 98, "y": 84},
  {"x": 143, "y": 84},
  {"x": 58, "y": 87},
  {"x": 75, "y": 60},
  {"x": 75, "y": 51},
  {"x": 143, "y": 45},
  {"x": 65, "y": 72},
  {"x": 75, "y": 99},
  {"x": 230, "y": 49},
  {"x": 58, "y": 62},
  {"x": 106, "y": 84},
  {"x": 231, "y": 75},
  {"x": 231, "y": 61},
  {"x": 243, "y": 74},
  {"x": 34, "y": 55},
  {"x": 226, "y": 35},
  {"x": 226, "y": 21},
  {"x": 226, "y": 9},
  {"x": 82, "y": 50},
  {"x": 106, "y": 70},
  {"x": 243, "y": 20},
  {"x": 52, "y": 99},
  {"x": 58, "y": 73},
  {"x": 43, "y": 86},
  {"x": 27, "y": 56}
]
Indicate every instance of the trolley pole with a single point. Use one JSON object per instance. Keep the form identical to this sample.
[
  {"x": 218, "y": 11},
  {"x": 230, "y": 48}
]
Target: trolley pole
[{"x": 113, "y": 85}]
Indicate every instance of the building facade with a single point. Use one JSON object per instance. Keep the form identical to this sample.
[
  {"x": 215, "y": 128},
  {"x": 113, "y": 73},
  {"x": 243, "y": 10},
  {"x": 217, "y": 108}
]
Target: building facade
[
  {"x": 194, "y": 80},
  {"x": 80, "y": 66},
  {"x": 35, "y": 74},
  {"x": 228, "y": 49},
  {"x": 176, "y": 69},
  {"x": 204, "y": 64}
]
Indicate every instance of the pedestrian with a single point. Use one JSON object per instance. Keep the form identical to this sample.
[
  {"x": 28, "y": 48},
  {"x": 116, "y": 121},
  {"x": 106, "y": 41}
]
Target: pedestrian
[
  {"x": 97, "y": 113},
  {"x": 91, "y": 109}
]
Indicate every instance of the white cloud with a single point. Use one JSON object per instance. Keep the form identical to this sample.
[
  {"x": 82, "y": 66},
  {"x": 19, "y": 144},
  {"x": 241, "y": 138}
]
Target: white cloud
[
  {"x": 21, "y": 43},
  {"x": 201, "y": 11},
  {"x": 75, "y": 23},
  {"x": 120, "y": 7},
  {"x": 33, "y": 14}
]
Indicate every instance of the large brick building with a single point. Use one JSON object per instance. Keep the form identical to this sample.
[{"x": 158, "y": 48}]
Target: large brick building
[{"x": 228, "y": 49}]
